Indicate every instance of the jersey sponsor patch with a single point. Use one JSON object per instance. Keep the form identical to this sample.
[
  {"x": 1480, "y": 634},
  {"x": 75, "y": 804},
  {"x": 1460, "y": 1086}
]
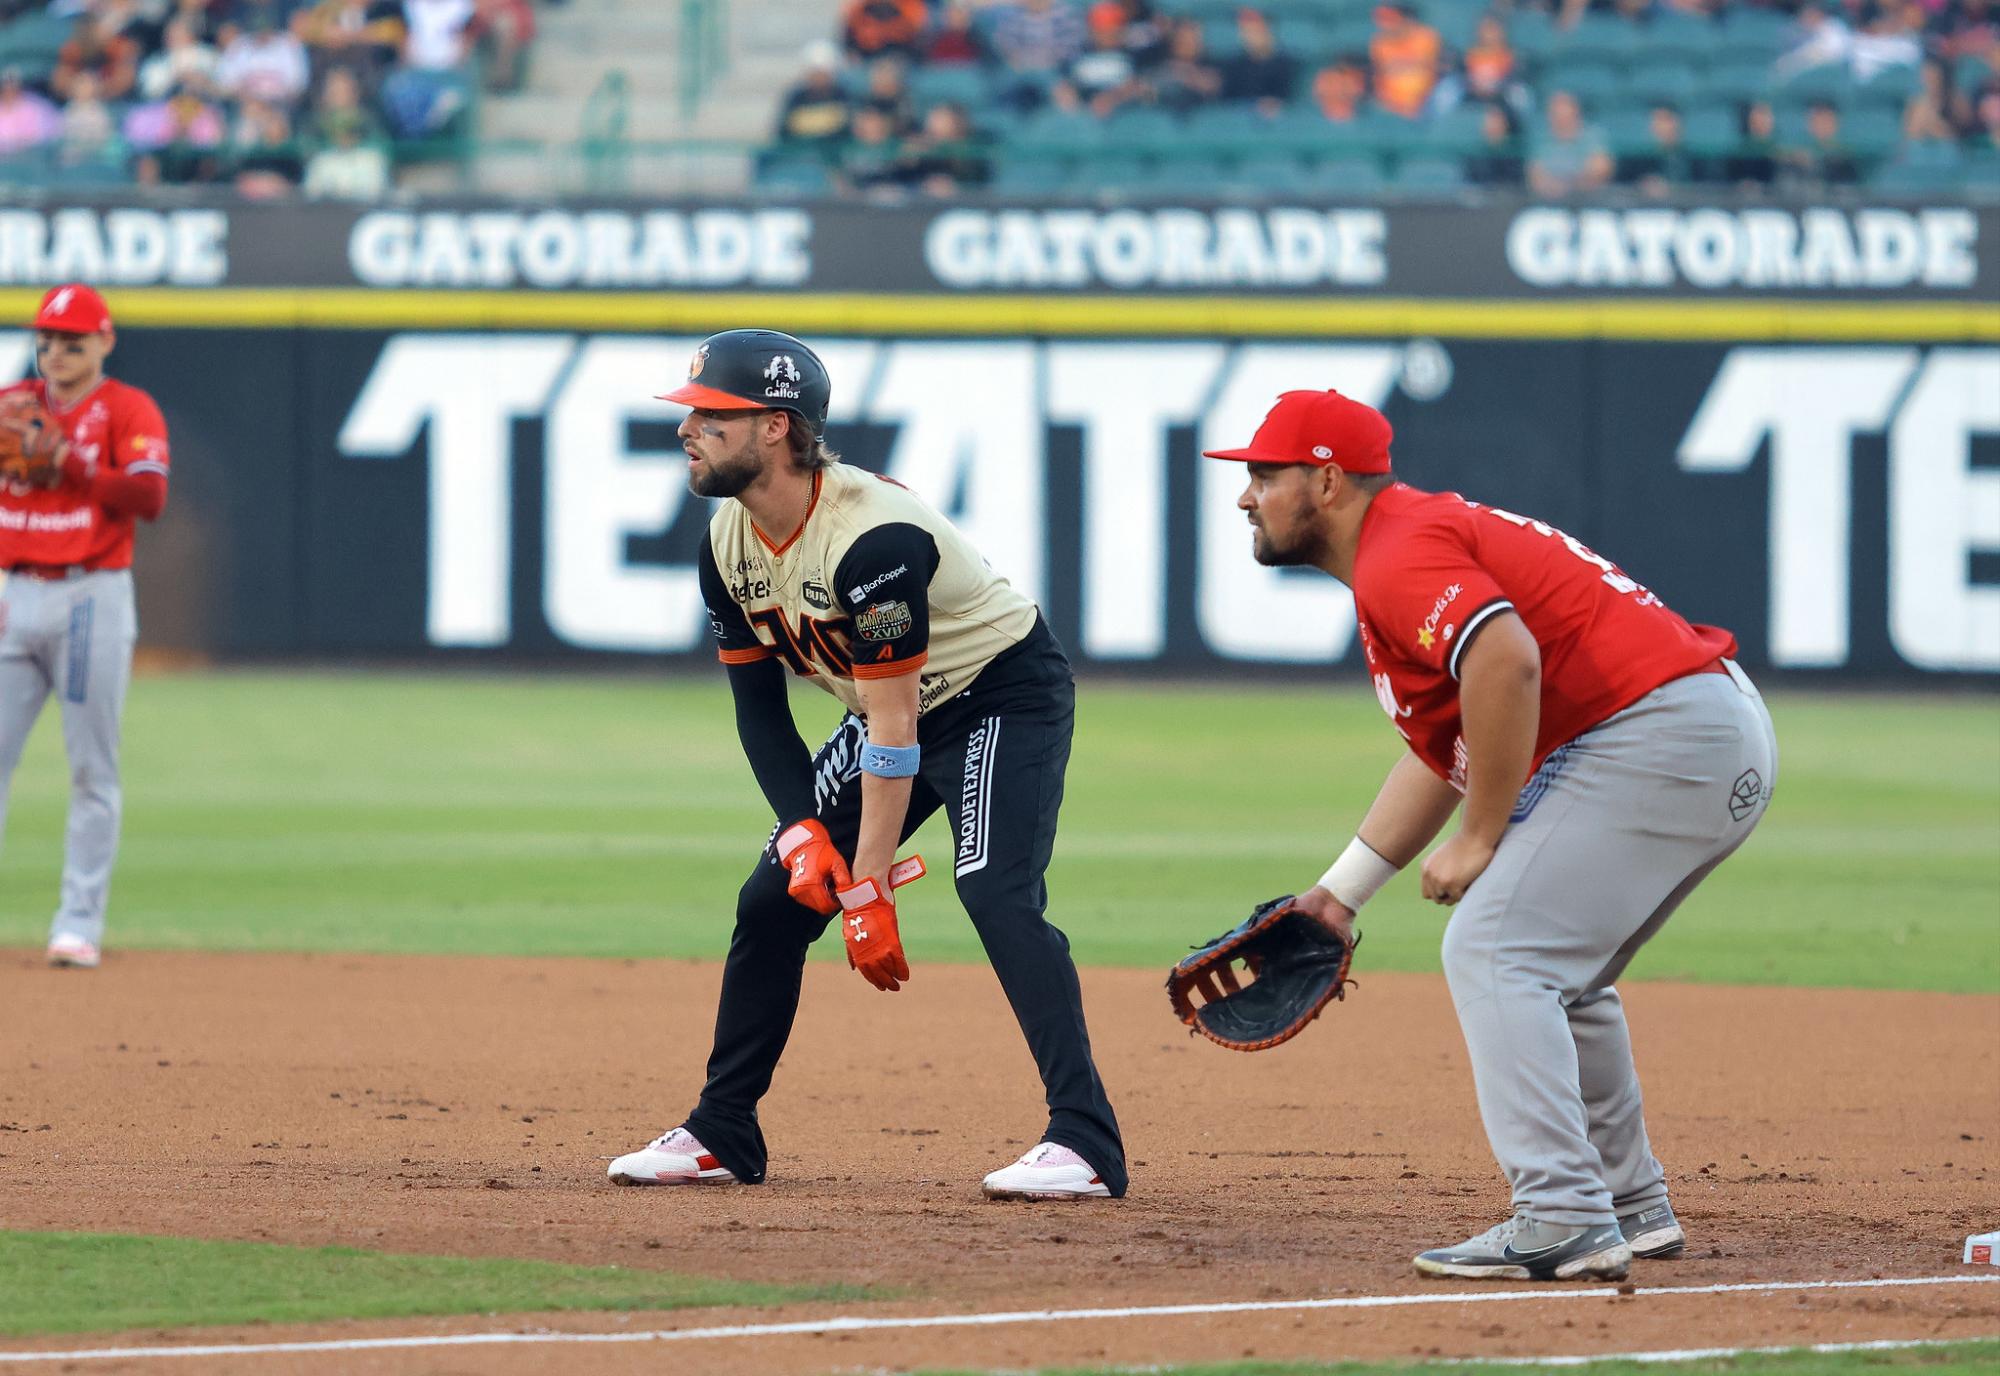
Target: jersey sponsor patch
[
  {"x": 859, "y": 594},
  {"x": 815, "y": 594},
  {"x": 883, "y": 621},
  {"x": 1427, "y": 633}
]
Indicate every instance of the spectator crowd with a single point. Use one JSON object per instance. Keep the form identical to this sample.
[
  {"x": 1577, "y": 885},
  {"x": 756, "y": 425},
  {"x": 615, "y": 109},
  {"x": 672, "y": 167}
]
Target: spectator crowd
[
  {"x": 1559, "y": 97},
  {"x": 271, "y": 97}
]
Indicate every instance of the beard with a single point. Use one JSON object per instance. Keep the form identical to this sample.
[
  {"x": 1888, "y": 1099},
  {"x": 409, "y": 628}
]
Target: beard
[
  {"x": 1303, "y": 548},
  {"x": 727, "y": 475}
]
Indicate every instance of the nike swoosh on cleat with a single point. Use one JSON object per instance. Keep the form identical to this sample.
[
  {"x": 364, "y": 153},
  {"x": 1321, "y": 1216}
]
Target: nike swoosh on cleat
[{"x": 1512, "y": 1253}]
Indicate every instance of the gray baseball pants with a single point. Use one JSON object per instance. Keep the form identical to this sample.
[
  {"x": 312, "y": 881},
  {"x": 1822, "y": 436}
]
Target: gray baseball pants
[
  {"x": 1611, "y": 834},
  {"x": 72, "y": 638}
]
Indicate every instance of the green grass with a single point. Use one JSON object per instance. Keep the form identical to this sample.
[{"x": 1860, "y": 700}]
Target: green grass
[
  {"x": 1945, "y": 1359},
  {"x": 90, "y": 1282},
  {"x": 615, "y": 817}
]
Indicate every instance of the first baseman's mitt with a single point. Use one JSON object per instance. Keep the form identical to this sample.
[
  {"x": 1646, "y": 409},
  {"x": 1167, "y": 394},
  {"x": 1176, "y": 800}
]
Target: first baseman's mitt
[
  {"x": 1298, "y": 963},
  {"x": 32, "y": 444}
]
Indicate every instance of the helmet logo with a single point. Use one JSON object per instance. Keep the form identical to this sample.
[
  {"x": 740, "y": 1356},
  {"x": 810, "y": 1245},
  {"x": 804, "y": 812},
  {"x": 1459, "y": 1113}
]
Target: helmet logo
[
  {"x": 697, "y": 363},
  {"x": 60, "y": 301},
  {"x": 783, "y": 375}
]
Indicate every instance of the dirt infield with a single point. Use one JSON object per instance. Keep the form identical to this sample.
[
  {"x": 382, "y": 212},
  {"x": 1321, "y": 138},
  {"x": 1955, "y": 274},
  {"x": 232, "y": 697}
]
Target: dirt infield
[{"x": 467, "y": 1107}]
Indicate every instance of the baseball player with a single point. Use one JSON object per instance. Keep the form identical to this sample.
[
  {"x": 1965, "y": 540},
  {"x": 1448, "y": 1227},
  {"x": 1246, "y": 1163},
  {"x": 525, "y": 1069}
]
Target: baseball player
[
  {"x": 69, "y": 619},
  {"x": 957, "y": 696},
  {"x": 1603, "y": 755}
]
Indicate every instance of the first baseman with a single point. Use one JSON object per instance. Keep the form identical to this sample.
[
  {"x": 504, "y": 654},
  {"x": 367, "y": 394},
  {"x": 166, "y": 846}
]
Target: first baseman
[
  {"x": 70, "y": 621},
  {"x": 1607, "y": 755},
  {"x": 958, "y": 696}
]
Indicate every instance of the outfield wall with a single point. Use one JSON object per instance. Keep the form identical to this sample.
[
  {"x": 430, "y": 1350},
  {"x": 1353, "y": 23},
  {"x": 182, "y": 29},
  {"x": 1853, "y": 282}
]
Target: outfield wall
[{"x": 425, "y": 456}]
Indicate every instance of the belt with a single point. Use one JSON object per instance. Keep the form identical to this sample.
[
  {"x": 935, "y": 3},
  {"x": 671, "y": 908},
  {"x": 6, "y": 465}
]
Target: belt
[
  {"x": 49, "y": 573},
  {"x": 1728, "y": 667}
]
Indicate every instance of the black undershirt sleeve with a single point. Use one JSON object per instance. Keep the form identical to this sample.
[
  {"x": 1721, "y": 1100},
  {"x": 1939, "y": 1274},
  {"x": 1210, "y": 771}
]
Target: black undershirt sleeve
[{"x": 771, "y": 741}]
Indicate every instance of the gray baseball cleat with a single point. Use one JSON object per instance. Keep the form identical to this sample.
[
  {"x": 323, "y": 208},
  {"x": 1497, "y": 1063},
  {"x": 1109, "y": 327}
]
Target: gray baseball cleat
[
  {"x": 1653, "y": 1232},
  {"x": 1523, "y": 1249}
]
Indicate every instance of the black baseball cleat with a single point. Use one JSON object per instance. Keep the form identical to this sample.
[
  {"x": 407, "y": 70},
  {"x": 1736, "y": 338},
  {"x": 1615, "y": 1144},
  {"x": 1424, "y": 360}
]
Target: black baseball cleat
[
  {"x": 1653, "y": 1232},
  {"x": 1523, "y": 1249}
]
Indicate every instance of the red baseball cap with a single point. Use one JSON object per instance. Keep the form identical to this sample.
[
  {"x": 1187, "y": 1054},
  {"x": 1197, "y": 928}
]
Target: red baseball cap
[
  {"x": 74, "y": 309},
  {"x": 1319, "y": 428}
]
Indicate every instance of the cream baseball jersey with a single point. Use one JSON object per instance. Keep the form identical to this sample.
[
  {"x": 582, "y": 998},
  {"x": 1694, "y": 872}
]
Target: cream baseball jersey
[{"x": 874, "y": 583}]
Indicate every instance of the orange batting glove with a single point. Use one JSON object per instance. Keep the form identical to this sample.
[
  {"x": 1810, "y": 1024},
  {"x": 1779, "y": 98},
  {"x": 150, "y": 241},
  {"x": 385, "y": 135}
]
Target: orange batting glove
[
  {"x": 874, "y": 947},
  {"x": 816, "y": 866}
]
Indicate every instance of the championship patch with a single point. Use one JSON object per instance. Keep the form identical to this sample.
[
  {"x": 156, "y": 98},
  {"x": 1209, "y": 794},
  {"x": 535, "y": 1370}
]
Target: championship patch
[{"x": 883, "y": 621}]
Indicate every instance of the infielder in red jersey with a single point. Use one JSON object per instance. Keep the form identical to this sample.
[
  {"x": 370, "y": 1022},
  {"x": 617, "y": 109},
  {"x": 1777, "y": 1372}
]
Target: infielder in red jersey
[
  {"x": 1604, "y": 756},
  {"x": 69, "y": 618}
]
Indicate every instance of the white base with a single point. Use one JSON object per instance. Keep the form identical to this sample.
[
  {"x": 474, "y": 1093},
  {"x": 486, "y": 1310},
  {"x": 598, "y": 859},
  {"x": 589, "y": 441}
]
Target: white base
[{"x": 1983, "y": 1249}]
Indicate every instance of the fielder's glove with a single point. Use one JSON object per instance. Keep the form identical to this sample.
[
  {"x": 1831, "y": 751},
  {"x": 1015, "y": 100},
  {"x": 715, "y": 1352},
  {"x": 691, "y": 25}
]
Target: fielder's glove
[
  {"x": 32, "y": 444},
  {"x": 1298, "y": 965}
]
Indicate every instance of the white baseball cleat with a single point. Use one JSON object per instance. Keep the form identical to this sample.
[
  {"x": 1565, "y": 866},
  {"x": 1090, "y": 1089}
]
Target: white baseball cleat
[
  {"x": 674, "y": 1158},
  {"x": 1050, "y": 1171},
  {"x": 73, "y": 952}
]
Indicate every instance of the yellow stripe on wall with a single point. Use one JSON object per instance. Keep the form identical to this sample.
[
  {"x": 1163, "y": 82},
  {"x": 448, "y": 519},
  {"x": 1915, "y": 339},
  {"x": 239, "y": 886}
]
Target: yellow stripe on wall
[{"x": 363, "y": 308}]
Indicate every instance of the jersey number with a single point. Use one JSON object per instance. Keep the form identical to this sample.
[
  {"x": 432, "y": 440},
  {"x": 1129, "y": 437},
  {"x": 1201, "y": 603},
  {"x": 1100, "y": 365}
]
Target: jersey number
[
  {"x": 1610, "y": 574},
  {"x": 812, "y": 640}
]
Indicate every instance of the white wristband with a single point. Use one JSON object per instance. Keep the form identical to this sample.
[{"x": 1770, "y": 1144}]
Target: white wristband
[{"x": 1357, "y": 874}]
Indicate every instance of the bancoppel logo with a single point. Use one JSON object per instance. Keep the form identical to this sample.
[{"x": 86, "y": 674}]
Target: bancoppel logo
[
  {"x": 1320, "y": 451},
  {"x": 858, "y": 595},
  {"x": 783, "y": 375}
]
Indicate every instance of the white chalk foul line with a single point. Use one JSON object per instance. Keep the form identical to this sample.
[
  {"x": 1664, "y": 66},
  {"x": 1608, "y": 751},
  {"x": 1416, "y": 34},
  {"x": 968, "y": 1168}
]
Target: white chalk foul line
[
  {"x": 851, "y": 1324},
  {"x": 1703, "y": 1354}
]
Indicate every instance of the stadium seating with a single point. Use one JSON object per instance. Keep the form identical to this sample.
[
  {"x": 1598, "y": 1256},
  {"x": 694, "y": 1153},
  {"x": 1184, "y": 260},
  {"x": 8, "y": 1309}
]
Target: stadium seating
[
  {"x": 1710, "y": 69},
  {"x": 430, "y": 114}
]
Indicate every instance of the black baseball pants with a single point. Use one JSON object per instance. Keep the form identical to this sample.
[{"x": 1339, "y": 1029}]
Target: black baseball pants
[{"x": 995, "y": 763}]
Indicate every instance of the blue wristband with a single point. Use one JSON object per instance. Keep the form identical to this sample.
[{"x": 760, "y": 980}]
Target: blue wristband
[{"x": 890, "y": 761}]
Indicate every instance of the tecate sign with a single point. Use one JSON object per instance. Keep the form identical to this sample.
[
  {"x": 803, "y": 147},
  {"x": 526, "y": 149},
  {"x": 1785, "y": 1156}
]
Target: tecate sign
[
  {"x": 1155, "y": 555},
  {"x": 1878, "y": 249}
]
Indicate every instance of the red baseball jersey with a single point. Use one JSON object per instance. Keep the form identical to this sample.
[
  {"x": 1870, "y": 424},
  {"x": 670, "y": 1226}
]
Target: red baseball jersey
[
  {"x": 118, "y": 427},
  {"x": 1432, "y": 568}
]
